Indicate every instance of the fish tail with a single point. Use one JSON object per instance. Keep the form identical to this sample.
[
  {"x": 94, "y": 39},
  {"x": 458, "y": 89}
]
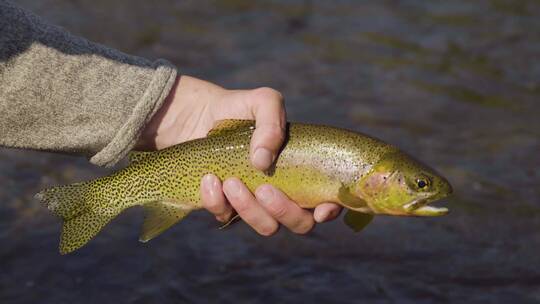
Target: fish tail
[{"x": 77, "y": 205}]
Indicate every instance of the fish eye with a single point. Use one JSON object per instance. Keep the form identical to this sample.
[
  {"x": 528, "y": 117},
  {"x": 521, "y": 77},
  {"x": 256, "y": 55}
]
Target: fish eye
[{"x": 422, "y": 183}]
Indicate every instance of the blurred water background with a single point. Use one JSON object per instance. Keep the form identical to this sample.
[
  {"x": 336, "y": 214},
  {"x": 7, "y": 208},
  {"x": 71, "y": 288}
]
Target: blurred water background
[{"x": 455, "y": 83}]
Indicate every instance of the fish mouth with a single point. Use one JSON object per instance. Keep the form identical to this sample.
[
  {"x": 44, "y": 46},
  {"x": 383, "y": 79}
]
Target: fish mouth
[{"x": 420, "y": 206}]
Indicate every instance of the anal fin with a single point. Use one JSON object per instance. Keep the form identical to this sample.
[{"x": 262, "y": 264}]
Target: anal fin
[{"x": 160, "y": 216}]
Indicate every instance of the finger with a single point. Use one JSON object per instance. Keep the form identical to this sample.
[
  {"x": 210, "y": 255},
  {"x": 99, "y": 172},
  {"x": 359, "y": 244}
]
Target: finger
[
  {"x": 326, "y": 212},
  {"x": 213, "y": 199},
  {"x": 269, "y": 113},
  {"x": 284, "y": 210},
  {"x": 248, "y": 208}
]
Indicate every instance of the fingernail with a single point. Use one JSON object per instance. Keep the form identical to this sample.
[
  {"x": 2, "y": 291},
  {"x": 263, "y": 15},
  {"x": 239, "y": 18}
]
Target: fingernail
[
  {"x": 209, "y": 183},
  {"x": 233, "y": 187},
  {"x": 265, "y": 194},
  {"x": 208, "y": 179},
  {"x": 262, "y": 158},
  {"x": 320, "y": 217}
]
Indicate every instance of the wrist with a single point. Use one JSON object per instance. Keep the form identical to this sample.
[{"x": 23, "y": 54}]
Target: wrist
[
  {"x": 150, "y": 135},
  {"x": 186, "y": 103}
]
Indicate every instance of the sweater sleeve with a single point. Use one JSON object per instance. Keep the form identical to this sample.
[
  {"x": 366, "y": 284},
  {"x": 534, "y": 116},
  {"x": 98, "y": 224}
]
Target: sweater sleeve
[{"x": 60, "y": 92}]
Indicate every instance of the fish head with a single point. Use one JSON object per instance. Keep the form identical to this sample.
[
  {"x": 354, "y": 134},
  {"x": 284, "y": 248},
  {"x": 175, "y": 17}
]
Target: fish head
[{"x": 401, "y": 185}]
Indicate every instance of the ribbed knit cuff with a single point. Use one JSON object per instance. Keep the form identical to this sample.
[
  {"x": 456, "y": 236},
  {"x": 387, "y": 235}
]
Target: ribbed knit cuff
[{"x": 152, "y": 99}]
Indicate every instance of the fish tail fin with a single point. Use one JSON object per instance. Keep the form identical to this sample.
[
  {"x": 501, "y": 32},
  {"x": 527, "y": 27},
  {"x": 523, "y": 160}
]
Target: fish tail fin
[{"x": 76, "y": 205}]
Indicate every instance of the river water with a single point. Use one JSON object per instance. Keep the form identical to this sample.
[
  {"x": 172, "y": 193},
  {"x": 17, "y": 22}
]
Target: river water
[{"x": 455, "y": 83}]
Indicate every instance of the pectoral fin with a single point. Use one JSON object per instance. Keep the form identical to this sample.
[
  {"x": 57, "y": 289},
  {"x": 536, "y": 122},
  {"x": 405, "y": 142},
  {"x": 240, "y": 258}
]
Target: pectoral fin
[
  {"x": 161, "y": 215},
  {"x": 351, "y": 201},
  {"x": 357, "y": 221}
]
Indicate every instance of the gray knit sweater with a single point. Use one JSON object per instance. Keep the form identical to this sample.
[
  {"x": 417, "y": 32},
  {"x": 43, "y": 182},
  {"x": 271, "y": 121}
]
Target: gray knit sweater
[{"x": 60, "y": 92}]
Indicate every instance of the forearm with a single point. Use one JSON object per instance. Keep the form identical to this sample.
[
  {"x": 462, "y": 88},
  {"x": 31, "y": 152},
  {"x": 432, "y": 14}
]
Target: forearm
[{"x": 63, "y": 93}]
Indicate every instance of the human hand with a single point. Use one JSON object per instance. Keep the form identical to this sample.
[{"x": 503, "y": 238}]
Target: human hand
[{"x": 191, "y": 110}]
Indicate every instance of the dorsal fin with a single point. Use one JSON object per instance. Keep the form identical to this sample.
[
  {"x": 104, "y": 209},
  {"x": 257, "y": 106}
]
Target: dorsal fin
[
  {"x": 231, "y": 125},
  {"x": 135, "y": 156},
  {"x": 160, "y": 216}
]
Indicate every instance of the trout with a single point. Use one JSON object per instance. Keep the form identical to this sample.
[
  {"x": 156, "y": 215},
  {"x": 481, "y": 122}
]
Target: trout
[{"x": 317, "y": 164}]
